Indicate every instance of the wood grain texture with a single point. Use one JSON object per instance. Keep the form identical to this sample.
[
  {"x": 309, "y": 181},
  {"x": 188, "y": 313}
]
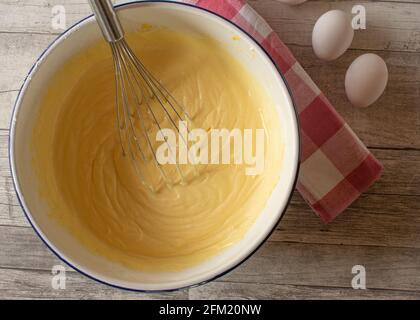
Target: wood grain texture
[
  {"x": 303, "y": 258},
  {"x": 253, "y": 291},
  {"x": 391, "y": 25},
  {"x": 33, "y": 284}
]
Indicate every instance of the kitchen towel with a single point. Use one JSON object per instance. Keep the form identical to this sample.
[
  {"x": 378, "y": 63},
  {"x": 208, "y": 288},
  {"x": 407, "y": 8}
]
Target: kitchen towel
[{"x": 336, "y": 167}]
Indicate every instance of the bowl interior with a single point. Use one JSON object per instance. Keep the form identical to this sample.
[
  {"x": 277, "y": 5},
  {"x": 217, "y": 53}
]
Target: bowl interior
[{"x": 181, "y": 18}]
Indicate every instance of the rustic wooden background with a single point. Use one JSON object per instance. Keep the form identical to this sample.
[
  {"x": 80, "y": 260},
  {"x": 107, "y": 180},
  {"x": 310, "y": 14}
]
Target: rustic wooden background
[{"x": 303, "y": 258}]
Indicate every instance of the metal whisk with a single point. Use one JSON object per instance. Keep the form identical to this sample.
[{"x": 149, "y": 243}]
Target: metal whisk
[{"x": 139, "y": 96}]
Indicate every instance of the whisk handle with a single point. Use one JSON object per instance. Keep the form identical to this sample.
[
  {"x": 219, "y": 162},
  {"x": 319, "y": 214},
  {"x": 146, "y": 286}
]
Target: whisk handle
[{"x": 107, "y": 19}]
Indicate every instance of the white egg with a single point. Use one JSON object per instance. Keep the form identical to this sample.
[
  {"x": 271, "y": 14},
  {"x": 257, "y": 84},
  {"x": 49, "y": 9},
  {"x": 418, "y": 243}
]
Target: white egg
[
  {"x": 366, "y": 80},
  {"x": 332, "y": 35},
  {"x": 292, "y": 2}
]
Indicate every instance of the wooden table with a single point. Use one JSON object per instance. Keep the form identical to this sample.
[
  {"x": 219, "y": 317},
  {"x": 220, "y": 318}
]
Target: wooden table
[{"x": 304, "y": 258}]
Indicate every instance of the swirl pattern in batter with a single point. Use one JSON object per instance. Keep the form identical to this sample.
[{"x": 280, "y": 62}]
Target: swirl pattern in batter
[{"x": 92, "y": 190}]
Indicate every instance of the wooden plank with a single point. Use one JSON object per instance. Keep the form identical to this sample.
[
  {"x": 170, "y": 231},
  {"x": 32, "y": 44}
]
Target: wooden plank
[
  {"x": 12, "y": 215},
  {"x": 388, "y": 221},
  {"x": 27, "y": 284},
  {"x": 391, "y": 25},
  {"x": 330, "y": 266},
  {"x": 23, "y": 249},
  {"x": 282, "y": 263},
  {"x": 7, "y": 191},
  {"x": 18, "y": 53},
  {"x": 35, "y": 16},
  {"x": 33, "y": 284},
  {"x": 7, "y": 101},
  {"x": 401, "y": 173},
  {"x": 253, "y": 291}
]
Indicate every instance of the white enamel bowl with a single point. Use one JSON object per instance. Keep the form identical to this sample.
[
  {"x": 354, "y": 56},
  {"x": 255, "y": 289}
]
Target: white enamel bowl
[{"x": 179, "y": 17}]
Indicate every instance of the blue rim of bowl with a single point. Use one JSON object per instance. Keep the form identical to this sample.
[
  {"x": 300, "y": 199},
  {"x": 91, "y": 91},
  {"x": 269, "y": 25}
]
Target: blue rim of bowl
[{"x": 20, "y": 197}]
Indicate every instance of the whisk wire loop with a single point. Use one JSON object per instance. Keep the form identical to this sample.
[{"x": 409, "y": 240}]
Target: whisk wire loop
[{"x": 140, "y": 99}]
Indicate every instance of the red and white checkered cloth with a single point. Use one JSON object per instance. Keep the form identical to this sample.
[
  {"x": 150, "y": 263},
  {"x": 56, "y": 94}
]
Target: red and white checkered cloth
[{"x": 336, "y": 167}]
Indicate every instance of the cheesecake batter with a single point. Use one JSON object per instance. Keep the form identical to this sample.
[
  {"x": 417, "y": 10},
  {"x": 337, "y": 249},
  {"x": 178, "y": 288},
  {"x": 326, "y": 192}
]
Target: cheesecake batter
[{"x": 93, "y": 190}]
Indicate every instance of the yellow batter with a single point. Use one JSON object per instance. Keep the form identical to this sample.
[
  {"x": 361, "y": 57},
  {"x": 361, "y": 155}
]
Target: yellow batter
[{"x": 92, "y": 189}]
